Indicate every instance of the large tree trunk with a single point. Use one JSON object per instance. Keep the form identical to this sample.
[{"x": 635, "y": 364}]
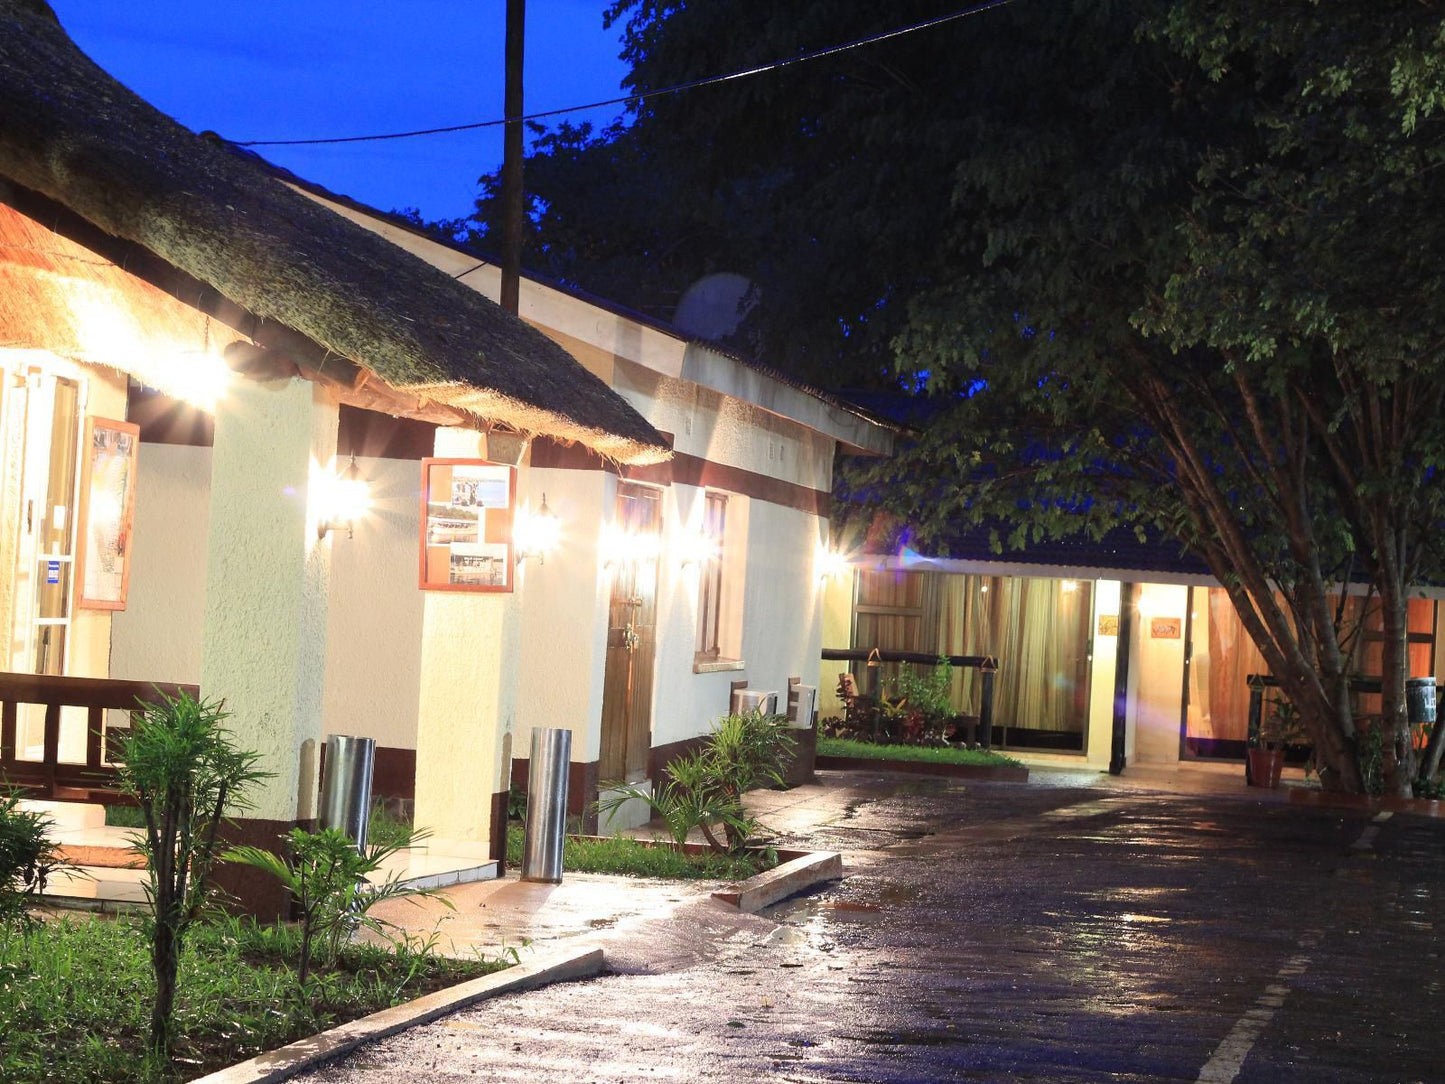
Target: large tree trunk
[{"x": 1398, "y": 769}]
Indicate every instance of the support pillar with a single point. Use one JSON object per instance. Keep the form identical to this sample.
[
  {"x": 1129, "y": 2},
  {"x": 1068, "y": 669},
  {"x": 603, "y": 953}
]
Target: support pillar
[
  {"x": 1117, "y": 758},
  {"x": 470, "y": 663},
  {"x": 263, "y": 641}
]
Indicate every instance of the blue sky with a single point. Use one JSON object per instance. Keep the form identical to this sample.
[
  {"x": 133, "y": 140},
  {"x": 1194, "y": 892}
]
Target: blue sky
[{"x": 286, "y": 69}]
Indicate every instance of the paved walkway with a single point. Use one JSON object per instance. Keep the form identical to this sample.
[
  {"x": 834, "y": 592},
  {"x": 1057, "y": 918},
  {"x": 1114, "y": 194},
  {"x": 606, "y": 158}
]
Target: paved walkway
[{"x": 1003, "y": 932}]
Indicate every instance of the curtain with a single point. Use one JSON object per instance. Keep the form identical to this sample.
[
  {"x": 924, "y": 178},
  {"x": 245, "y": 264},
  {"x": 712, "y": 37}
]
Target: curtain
[
  {"x": 1038, "y": 630},
  {"x": 1222, "y": 657}
]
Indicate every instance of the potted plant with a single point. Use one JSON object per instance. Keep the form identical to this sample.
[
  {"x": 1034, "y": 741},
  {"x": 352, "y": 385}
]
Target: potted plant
[{"x": 1279, "y": 728}]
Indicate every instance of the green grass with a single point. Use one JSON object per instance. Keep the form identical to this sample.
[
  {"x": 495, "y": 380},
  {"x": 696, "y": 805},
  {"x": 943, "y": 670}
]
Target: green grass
[
  {"x": 924, "y": 754},
  {"x": 626, "y": 857},
  {"x": 384, "y": 828},
  {"x": 124, "y": 816},
  {"x": 75, "y": 996}
]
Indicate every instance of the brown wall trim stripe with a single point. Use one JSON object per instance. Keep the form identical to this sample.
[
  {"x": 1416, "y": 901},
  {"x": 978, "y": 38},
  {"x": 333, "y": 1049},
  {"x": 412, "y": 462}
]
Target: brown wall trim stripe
[{"x": 690, "y": 470}]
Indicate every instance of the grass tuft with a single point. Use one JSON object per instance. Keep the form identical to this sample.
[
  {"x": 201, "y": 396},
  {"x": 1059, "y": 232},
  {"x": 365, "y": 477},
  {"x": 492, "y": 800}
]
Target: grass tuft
[
  {"x": 923, "y": 754},
  {"x": 626, "y": 857}
]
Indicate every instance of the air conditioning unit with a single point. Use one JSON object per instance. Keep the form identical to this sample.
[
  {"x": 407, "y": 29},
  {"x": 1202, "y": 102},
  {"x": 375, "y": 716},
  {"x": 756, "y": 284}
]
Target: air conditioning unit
[
  {"x": 746, "y": 700},
  {"x": 802, "y": 706}
]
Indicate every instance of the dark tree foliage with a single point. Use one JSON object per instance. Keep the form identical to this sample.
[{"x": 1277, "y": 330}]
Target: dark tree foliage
[
  {"x": 823, "y": 183},
  {"x": 1169, "y": 264},
  {"x": 1198, "y": 289}
]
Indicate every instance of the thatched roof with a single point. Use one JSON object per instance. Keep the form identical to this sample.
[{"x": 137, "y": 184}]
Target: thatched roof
[{"x": 75, "y": 140}]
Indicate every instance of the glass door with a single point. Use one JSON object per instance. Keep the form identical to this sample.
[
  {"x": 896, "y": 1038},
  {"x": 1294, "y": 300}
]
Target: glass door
[
  {"x": 40, "y": 438},
  {"x": 39, "y": 452}
]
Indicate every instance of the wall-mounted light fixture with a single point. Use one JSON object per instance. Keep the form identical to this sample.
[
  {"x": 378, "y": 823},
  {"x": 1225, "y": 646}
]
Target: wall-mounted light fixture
[
  {"x": 829, "y": 563},
  {"x": 344, "y": 499},
  {"x": 536, "y": 534},
  {"x": 697, "y": 548}
]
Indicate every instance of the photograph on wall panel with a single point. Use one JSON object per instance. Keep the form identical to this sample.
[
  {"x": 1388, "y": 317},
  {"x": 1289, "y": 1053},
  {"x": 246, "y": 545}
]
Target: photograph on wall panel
[
  {"x": 466, "y": 525},
  {"x": 107, "y": 513}
]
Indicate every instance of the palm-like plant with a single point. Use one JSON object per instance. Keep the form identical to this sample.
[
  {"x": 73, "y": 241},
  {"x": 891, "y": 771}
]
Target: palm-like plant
[
  {"x": 28, "y": 857},
  {"x": 187, "y": 775},
  {"x": 703, "y": 790},
  {"x": 327, "y": 875}
]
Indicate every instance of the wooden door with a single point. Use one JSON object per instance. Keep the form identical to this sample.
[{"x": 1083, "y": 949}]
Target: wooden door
[{"x": 631, "y": 637}]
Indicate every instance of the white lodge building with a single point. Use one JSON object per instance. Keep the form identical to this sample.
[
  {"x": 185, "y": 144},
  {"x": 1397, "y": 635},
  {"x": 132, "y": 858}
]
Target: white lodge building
[{"x": 201, "y": 370}]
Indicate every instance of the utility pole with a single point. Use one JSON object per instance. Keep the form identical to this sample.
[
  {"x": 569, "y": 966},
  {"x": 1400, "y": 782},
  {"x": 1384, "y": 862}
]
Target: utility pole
[{"x": 513, "y": 207}]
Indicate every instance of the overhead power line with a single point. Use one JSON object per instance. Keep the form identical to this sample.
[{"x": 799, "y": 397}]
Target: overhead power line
[{"x": 708, "y": 81}]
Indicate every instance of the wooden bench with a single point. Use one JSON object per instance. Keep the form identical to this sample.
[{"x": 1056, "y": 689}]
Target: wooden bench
[{"x": 50, "y": 777}]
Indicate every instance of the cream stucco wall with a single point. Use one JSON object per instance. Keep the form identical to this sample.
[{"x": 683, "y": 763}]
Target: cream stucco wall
[
  {"x": 724, "y": 430},
  {"x": 158, "y": 636},
  {"x": 374, "y": 636},
  {"x": 564, "y": 613},
  {"x": 467, "y": 702},
  {"x": 837, "y": 594},
  {"x": 781, "y": 617},
  {"x": 263, "y": 648}
]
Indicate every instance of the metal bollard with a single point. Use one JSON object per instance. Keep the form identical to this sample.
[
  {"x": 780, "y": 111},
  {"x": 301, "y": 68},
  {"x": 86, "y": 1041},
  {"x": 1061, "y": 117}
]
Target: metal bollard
[
  {"x": 546, "y": 805},
  {"x": 346, "y": 786}
]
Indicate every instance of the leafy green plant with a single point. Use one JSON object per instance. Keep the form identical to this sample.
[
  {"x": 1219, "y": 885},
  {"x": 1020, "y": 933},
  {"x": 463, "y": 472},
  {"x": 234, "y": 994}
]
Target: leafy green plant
[
  {"x": 928, "y": 692},
  {"x": 386, "y": 827},
  {"x": 28, "y": 857},
  {"x": 1282, "y": 726},
  {"x": 186, "y": 774},
  {"x": 328, "y": 876},
  {"x": 1370, "y": 754},
  {"x": 516, "y": 803},
  {"x": 917, "y": 711},
  {"x": 703, "y": 790}
]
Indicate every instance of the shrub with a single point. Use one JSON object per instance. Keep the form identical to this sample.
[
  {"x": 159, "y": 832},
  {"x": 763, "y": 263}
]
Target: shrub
[
  {"x": 27, "y": 858},
  {"x": 703, "y": 790},
  {"x": 919, "y": 711},
  {"x": 327, "y": 875},
  {"x": 186, "y": 774}
]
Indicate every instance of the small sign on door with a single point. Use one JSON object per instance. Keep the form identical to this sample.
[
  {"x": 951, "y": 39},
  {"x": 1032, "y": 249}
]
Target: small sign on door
[{"x": 52, "y": 572}]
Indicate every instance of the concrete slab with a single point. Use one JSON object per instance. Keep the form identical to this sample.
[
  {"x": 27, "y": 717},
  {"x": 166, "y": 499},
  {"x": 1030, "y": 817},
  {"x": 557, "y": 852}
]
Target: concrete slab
[
  {"x": 574, "y": 962},
  {"x": 782, "y": 881}
]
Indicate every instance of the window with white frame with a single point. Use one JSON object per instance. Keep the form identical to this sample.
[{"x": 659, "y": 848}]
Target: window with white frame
[{"x": 710, "y": 582}]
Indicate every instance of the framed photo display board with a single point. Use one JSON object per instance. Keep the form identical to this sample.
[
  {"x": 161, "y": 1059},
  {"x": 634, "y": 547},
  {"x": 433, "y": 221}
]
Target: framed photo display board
[
  {"x": 107, "y": 513},
  {"x": 467, "y": 507}
]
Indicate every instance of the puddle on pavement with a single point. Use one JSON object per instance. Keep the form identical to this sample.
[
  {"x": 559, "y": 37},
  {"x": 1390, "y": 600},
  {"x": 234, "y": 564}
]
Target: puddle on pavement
[{"x": 813, "y": 912}]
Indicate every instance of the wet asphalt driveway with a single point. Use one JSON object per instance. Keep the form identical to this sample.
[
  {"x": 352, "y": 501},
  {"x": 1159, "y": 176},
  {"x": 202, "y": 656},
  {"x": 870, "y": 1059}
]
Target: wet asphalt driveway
[{"x": 998, "y": 932}]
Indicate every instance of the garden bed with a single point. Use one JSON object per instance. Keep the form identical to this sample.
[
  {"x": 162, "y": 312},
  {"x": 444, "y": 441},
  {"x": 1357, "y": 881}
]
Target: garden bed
[
  {"x": 848, "y": 755},
  {"x": 624, "y": 856},
  {"x": 75, "y": 996}
]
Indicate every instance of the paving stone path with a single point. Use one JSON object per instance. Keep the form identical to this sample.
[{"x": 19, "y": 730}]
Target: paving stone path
[{"x": 989, "y": 932}]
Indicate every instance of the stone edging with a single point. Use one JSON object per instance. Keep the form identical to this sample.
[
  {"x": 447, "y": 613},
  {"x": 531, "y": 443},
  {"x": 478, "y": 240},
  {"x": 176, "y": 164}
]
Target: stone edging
[
  {"x": 1004, "y": 773},
  {"x": 783, "y": 880},
  {"x": 287, "y": 1061}
]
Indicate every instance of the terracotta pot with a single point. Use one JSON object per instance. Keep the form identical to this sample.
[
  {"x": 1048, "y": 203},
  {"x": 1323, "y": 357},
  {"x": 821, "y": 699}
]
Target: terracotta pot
[{"x": 1264, "y": 766}]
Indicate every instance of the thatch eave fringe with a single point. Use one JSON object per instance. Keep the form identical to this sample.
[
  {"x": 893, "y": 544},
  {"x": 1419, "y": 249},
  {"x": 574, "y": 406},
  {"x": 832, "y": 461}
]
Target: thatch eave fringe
[{"x": 240, "y": 245}]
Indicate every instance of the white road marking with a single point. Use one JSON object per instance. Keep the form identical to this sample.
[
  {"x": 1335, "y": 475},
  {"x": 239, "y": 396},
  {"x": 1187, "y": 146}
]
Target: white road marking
[
  {"x": 1228, "y": 1057},
  {"x": 1367, "y": 839}
]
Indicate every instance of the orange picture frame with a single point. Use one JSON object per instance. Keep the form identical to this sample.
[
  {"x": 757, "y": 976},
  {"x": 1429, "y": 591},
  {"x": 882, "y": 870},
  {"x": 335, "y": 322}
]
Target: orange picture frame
[
  {"x": 106, "y": 521},
  {"x": 468, "y": 507}
]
